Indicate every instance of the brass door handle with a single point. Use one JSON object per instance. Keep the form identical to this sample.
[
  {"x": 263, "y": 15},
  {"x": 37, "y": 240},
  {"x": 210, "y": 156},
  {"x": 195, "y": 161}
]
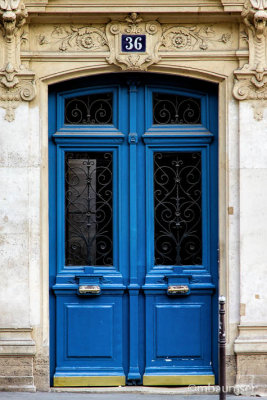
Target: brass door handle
[
  {"x": 92, "y": 289},
  {"x": 178, "y": 289}
]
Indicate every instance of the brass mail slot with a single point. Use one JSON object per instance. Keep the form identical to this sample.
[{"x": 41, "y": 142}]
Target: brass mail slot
[
  {"x": 93, "y": 289},
  {"x": 179, "y": 289}
]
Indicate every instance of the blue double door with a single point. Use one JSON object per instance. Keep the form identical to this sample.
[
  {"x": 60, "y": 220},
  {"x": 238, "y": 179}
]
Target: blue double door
[{"x": 133, "y": 231}]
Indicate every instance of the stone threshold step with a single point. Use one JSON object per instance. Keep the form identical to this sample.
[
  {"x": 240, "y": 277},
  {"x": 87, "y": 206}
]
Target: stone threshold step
[{"x": 187, "y": 390}]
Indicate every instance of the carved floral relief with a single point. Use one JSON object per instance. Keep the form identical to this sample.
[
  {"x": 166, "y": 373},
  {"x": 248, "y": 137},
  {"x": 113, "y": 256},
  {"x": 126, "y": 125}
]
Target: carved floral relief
[
  {"x": 74, "y": 38},
  {"x": 104, "y": 38},
  {"x": 107, "y": 38},
  {"x": 196, "y": 37},
  {"x": 93, "y": 38}
]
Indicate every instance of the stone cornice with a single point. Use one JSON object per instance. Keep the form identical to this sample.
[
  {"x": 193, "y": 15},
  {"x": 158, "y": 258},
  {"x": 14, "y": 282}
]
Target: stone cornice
[
  {"x": 232, "y": 5},
  {"x": 120, "y": 6}
]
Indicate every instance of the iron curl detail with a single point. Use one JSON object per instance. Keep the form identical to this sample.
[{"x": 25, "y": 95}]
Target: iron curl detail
[
  {"x": 177, "y": 208},
  {"x": 88, "y": 209},
  {"x": 175, "y": 109},
  {"x": 92, "y": 109}
]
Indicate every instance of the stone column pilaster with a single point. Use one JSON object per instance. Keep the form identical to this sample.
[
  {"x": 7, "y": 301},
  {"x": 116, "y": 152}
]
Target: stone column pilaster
[{"x": 251, "y": 89}]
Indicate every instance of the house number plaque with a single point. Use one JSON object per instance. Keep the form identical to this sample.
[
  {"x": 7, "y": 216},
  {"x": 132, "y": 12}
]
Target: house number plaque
[{"x": 133, "y": 43}]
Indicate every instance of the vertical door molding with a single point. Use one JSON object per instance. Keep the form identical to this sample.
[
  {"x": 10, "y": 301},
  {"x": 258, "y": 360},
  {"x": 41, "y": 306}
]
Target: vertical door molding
[{"x": 134, "y": 372}]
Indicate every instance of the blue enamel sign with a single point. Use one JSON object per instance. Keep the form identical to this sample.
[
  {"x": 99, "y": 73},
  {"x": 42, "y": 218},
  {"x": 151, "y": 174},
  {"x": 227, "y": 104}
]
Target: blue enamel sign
[{"x": 133, "y": 43}]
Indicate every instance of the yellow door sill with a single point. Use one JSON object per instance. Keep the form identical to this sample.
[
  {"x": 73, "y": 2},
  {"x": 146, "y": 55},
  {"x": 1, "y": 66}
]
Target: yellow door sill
[{"x": 71, "y": 381}]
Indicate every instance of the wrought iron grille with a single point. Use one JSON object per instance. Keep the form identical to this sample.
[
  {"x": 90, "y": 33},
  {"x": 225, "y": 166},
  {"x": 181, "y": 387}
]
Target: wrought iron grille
[
  {"x": 175, "y": 109},
  {"x": 88, "y": 208},
  {"x": 177, "y": 205},
  {"x": 92, "y": 109}
]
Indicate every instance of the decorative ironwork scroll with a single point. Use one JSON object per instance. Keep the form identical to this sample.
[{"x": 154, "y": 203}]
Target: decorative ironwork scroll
[
  {"x": 88, "y": 209},
  {"x": 175, "y": 109},
  {"x": 177, "y": 205},
  {"x": 91, "y": 109}
]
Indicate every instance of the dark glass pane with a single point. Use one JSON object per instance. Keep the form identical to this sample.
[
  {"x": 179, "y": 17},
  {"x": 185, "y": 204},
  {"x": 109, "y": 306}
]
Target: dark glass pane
[
  {"x": 177, "y": 205},
  {"x": 92, "y": 109},
  {"x": 175, "y": 109},
  {"x": 88, "y": 208}
]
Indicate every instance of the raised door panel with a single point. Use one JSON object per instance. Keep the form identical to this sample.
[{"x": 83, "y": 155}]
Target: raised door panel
[
  {"x": 178, "y": 339},
  {"x": 90, "y": 337}
]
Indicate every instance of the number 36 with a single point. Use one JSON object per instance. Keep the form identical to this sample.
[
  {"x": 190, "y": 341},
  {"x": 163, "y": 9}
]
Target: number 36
[{"x": 135, "y": 44}]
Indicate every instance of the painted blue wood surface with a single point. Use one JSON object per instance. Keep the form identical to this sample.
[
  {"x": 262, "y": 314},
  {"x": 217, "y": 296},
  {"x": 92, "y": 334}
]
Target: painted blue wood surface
[
  {"x": 133, "y": 287},
  {"x": 133, "y": 327}
]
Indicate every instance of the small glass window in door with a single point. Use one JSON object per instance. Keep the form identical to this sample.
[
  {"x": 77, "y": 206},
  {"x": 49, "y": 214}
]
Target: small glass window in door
[
  {"x": 88, "y": 209},
  {"x": 175, "y": 109},
  {"x": 177, "y": 208},
  {"x": 90, "y": 109}
]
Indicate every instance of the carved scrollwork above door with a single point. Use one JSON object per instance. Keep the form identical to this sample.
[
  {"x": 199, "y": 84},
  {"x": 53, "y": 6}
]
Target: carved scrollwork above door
[
  {"x": 194, "y": 37},
  {"x": 132, "y": 43},
  {"x": 134, "y": 27},
  {"x": 64, "y": 38}
]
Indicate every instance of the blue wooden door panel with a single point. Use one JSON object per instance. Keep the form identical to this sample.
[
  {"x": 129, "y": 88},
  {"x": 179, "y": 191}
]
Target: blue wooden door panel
[
  {"x": 133, "y": 329},
  {"x": 178, "y": 333},
  {"x": 90, "y": 330},
  {"x": 90, "y": 333}
]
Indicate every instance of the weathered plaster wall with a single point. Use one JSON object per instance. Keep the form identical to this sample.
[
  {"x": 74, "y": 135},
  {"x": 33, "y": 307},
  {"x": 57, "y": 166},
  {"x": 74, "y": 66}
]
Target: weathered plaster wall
[
  {"x": 253, "y": 215},
  {"x": 251, "y": 345},
  {"x": 20, "y": 246}
]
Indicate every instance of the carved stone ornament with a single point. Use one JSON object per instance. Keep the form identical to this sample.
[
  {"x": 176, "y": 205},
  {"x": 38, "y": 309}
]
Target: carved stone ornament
[
  {"x": 16, "y": 82},
  {"x": 86, "y": 38},
  {"x": 22, "y": 89},
  {"x": 134, "y": 25},
  {"x": 251, "y": 79},
  {"x": 193, "y": 37}
]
